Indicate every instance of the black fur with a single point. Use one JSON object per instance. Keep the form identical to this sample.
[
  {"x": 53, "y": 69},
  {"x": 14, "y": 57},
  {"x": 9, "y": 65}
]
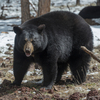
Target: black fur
[
  {"x": 90, "y": 12},
  {"x": 57, "y": 39}
]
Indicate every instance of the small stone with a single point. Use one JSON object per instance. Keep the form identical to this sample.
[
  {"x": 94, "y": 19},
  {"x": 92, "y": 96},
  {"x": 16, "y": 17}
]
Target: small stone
[
  {"x": 75, "y": 96},
  {"x": 3, "y": 65},
  {"x": 92, "y": 95},
  {"x": 8, "y": 53}
]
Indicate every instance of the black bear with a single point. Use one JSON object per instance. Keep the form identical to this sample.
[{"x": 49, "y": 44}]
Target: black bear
[
  {"x": 90, "y": 12},
  {"x": 53, "y": 41}
]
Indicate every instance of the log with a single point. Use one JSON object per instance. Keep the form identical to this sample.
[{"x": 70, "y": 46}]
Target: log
[{"x": 90, "y": 53}]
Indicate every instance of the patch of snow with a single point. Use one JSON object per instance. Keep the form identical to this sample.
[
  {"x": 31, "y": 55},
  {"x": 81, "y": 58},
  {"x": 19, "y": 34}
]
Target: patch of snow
[
  {"x": 6, "y": 25},
  {"x": 37, "y": 82},
  {"x": 69, "y": 73},
  {"x": 29, "y": 73},
  {"x": 6, "y": 39},
  {"x": 66, "y": 91},
  {"x": 88, "y": 90},
  {"x": 25, "y": 81},
  {"x": 34, "y": 92},
  {"x": 98, "y": 88},
  {"x": 94, "y": 73},
  {"x": 84, "y": 98},
  {"x": 92, "y": 77},
  {"x": 87, "y": 1},
  {"x": 19, "y": 91},
  {"x": 10, "y": 71},
  {"x": 38, "y": 72},
  {"x": 79, "y": 88},
  {"x": 96, "y": 34},
  {"x": 97, "y": 20},
  {"x": 1, "y": 81}
]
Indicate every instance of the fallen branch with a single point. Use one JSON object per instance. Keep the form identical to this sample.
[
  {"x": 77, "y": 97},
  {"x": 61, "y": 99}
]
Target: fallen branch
[
  {"x": 90, "y": 53},
  {"x": 68, "y": 6},
  {"x": 33, "y": 7},
  {"x": 42, "y": 97},
  {"x": 2, "y": 11}
]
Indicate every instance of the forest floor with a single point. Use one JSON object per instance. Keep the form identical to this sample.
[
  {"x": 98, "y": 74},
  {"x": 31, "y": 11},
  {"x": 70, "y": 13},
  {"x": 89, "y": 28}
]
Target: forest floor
[{"x": 64, "y": 90}]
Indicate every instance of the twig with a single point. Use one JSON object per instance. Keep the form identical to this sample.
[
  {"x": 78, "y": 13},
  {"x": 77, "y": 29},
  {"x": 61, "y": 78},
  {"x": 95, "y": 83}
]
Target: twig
[
  {"x": 38, "y": 92},
  {"x": 2, "y": 11},
  {"x": 97, "y": 38},
  {"x": 68, "y": 6},
  {"x": 90, "y": 53},
  {"x": 33, "y": 7}
]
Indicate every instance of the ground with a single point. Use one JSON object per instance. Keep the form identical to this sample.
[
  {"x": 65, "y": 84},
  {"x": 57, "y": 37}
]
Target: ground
[{"x": 61, "y": 91}]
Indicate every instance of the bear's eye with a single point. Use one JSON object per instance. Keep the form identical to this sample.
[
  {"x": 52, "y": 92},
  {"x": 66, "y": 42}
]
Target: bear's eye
[
  {"x": 26, "y": 39},
  {"x": 34, "y": 39}
]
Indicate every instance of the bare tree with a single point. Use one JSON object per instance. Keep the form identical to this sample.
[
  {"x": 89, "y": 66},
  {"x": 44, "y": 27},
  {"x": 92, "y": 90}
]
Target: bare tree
[
  {"x": 8, "y": 1},
  {"x": 43, "y": 7},
  {"x": 98, "y": 2},
  {"x": 25, "y": 11},
  {"x": 77, "y": 2}
]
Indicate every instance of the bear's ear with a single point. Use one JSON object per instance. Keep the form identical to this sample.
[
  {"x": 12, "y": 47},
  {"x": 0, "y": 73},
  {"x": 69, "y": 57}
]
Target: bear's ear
[
  {"x": 41, "y": 28},
  {"x": 17, "y": 30}
]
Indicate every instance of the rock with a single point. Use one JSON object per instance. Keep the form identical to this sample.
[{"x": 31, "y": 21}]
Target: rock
[
  {"x": 75, "y": 96},
  {"x": 50, "y": 91},
  {"x": 8, "y": 53},
  {"x": 3, "y": 65},
  {"x": 93, "y": 95},
  {"x": 8, "y": 44},
  {"x": 24, "y": 89},
  {"x": 6, "y": 82},
  {"x": 1, "y": 60}
]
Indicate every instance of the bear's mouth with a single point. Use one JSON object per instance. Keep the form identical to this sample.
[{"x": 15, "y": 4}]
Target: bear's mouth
[
  {"x": 28, "y": 49},
  {"x": 28, "y": 53}
]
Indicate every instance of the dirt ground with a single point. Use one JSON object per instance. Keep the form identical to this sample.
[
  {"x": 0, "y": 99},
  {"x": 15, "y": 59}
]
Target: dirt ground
[{"x": 64, "y": 90}]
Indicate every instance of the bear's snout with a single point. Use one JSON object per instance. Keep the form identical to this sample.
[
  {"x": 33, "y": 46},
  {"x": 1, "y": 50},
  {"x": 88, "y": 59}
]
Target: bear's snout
[{"x": 28, "y": 48}]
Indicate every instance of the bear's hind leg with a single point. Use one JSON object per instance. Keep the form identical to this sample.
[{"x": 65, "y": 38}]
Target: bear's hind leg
[{"x": 79, "y": 67}]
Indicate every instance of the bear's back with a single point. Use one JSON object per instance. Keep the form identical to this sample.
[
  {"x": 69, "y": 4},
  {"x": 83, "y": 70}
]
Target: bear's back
[
  {"x": 61, "y": 18},
  {"x": 62, "y": 24}
]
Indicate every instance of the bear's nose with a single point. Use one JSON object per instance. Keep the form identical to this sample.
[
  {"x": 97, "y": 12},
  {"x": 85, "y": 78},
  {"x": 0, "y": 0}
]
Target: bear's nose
[{"x": 28, "y": 48}]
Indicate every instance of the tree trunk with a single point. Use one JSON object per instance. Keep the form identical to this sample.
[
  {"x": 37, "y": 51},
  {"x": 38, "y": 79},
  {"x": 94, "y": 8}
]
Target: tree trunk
[
  {"x": 98, "y": 2},
  {"x": 25, "y": 11},
  {"x": 8, "y": 1},
  {"x": 43, "y": 7},
  {"x": 77, "y": 2}
]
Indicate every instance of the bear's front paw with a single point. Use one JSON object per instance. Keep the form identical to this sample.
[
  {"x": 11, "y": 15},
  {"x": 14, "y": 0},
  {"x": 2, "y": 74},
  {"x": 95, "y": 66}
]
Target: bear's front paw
[
  {"x": 45, "y": 88},
  {"x": 15, "y": 83}
]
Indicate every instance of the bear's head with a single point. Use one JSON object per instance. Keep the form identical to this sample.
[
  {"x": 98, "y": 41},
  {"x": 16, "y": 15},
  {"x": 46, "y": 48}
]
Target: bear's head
[{"x": 30, "y": 39}]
